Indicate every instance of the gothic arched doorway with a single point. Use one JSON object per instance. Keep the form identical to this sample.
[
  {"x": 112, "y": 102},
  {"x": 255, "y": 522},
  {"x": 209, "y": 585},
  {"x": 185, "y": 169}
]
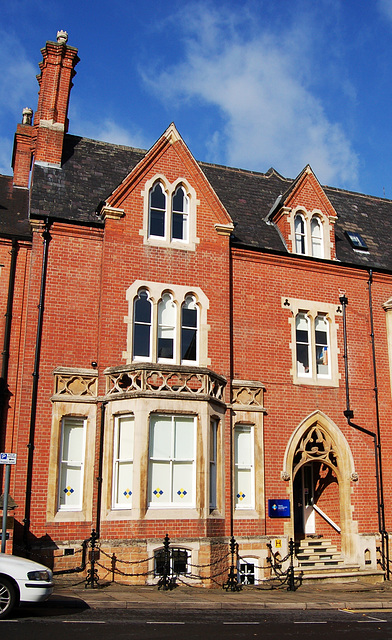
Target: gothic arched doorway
[{"x": 319, "y": 465}]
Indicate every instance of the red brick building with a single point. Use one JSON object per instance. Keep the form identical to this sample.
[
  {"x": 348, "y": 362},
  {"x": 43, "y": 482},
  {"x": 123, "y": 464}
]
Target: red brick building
[{"x": 190, "y": 349}]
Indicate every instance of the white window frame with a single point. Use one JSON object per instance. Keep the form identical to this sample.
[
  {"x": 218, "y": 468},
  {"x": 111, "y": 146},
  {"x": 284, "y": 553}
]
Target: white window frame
[
  {"x": 197, "y": 330},
  {"x": 155, "y": 291},
  {"x": 185, "y": 215},
  {"x": 117, "y": 461},
  {"x": 300, "y": 236},
  {"x": 239, "y": 505},
  {"x": 190, "y": 240},
  {"x": 312, "y": 310},
  {"x": 80, "y": 463},
  {"x": 316, "y": 240},
  {"x": 172, "y": 461}
]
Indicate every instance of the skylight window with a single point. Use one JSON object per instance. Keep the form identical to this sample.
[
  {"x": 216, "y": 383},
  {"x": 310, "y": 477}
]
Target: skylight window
[{"x": 356, "y": 240}]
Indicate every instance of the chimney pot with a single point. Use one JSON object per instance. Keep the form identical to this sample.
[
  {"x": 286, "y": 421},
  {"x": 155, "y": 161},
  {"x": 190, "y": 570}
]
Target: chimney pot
[
  {"x": 27, "y": 115},
  {"x": 62, "y": 37}
]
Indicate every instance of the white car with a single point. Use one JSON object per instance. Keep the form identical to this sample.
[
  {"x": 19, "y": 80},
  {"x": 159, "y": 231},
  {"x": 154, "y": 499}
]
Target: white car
[{"x": 22, "y": 580}]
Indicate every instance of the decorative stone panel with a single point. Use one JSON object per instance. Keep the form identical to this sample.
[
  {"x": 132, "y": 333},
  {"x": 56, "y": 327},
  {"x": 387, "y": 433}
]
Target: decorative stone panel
[
  {"x": 75, "y": 383},
  {"x": 166, "y": 381},
  {"x": 248, "y": 395}
]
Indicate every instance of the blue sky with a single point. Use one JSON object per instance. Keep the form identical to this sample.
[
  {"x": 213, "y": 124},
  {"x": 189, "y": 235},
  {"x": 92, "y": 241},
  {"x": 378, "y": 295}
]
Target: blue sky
[{"x": 250, "y": 84}]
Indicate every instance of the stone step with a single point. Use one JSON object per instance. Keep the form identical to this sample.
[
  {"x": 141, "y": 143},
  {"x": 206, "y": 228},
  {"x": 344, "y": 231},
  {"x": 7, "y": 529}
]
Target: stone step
[
  {"x": 349, "y": 574},
  {"x": 325, "y": 551}
]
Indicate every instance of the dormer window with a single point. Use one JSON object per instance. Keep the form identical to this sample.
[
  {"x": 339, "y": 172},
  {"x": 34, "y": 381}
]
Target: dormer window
[{"x": 308, "y": 236}]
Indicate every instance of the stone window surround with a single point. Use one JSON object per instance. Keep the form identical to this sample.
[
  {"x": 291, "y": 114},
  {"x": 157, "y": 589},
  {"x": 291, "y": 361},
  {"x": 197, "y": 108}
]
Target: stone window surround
[
  {"x": 78, "y": 410},
  {"x": 308, "y": 216},
  {"x": 179, "y": 294},
  {"x": 312, "y": 309},
  {"x": 169, "y": 189}
]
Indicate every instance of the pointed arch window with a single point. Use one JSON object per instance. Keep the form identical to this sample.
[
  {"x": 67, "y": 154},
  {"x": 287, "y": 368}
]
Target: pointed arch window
[
  {"x": 167, "y": 312},
  {"x": 180, "y": 207},
  {"x": 142, "y": 327},
  {"x": 157, "y": 212},
  {"x": 316, "y": 232},
  {"x": 189, "y": 322},
  {"x": 300, "y": 234}
]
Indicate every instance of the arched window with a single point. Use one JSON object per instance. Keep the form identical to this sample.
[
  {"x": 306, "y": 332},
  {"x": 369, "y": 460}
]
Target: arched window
[
  {"x": 142, "y": 326},
  {"x": 157, "y": 211},
  {"x": 180, "y": 209},
  {"x": 303, "y": 345},
  {"x": 300, "y": 234},
  {"x": 166, "y": 327},
  {"x": 189, "y": 321},
  {"x": 316, "y": 233}
]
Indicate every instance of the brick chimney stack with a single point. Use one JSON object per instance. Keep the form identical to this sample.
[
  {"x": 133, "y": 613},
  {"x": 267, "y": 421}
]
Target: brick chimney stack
[
  {"x": 44, "y": 140},
  {"x": 22, "y": 153},
  {"x": 55, "y": 84}
]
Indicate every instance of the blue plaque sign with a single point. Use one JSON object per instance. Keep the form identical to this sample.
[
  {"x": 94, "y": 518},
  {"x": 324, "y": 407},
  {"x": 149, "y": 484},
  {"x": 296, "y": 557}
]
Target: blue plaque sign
[{"x": 279, "y": 508}]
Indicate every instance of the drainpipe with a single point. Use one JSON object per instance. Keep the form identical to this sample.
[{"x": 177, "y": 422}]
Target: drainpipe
[
  {"x": 33, "y": 413},
  {"x": 231, "y": 329},
  {"x": 7, "y": 334},
  {"x": 384, "y": 533},
  {"x": 100, "y": 463},
  {"x": 349, "y": 415}
]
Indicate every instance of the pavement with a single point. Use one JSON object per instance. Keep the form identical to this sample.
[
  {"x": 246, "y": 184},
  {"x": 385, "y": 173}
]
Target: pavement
[{"x": 71, "y": 592}]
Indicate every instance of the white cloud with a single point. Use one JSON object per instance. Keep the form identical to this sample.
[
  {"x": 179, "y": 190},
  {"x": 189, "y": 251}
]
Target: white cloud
[
  {"x": 106, "y": 130},
  {"x": 18, "y": 85},
  {"x": 385, "y": 7},
  {"x": 258, "y": 83}
]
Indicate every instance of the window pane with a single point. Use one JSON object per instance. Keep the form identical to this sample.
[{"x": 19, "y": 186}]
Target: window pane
[
  {"x": 143, "y": 308},
  {"x": 243, "y": 488},
  {"x": 160, "y": 482},
  {"x": 243, "y": 448},
  {"x": 123, "y": 484},
  {"x": 302, "y": 339},
  {"x": 189, "y": 330},
  {"x": 184, "y": 438},
  {"x": 179, "y": 201},
  {"x": 72, "y": 440},
  {"x": 141, "y": 340},
  {"x": 157, "y": 211},
  {"x": 213, "y": 464},
  {"x": 321, "y": 335},
  {"x": 299, "y": 226},
  {"x": 183, "y": 483},
  {"x": 316, "y": 231},
  {"x": 167, "y": 313},
  {"x": 179, "y": 561},
  {"x": 70, "y": 486},
  {"x": 179, "y": 226},
  {"x": 161, "y": 437},
  {"x": 125, "y": 438}
]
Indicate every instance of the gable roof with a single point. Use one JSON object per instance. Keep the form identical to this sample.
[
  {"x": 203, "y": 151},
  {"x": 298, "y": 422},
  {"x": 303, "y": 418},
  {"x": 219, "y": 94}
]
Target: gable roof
[{"x": 92, "y": 170}]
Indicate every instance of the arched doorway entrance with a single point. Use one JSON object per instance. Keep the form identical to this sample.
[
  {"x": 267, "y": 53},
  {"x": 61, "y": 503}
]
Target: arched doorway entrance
[
  {"x": 319, "y": 466},
  {"x": 315, "y": 485}
]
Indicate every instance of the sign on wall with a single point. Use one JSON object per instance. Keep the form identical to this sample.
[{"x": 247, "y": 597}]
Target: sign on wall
[{"x": 279, "y": 508}]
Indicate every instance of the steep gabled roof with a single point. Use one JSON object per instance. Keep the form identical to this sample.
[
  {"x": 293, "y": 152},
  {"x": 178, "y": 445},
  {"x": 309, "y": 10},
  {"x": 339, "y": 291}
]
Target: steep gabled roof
[
  {"x": 91, "y": 172},
  {"x": 14, "y": 203}
]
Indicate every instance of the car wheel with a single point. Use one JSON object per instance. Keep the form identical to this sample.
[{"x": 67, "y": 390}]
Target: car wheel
[{"x": 8, "y": 597}]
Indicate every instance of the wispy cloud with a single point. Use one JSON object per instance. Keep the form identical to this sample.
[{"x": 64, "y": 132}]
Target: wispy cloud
[
  {"x": 385, "y": 7},
  {"x": 106, "y": 130},
  {"x": 18, "y": 87},
  {"x": 259, "y": 82}
]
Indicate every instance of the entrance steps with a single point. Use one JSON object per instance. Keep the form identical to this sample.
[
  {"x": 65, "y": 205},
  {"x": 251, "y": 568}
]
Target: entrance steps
[{"x": 320, "y": 561}]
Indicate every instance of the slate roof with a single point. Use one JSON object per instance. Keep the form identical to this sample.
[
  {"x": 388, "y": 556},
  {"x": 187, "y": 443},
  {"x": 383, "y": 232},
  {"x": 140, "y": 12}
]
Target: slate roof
[
  {"x": 91, "y": 171},
  {"x": 14, "y": 203}
]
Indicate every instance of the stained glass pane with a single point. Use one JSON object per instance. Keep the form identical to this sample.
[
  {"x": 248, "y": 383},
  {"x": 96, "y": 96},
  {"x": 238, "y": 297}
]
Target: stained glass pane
[
  {"x": 160, "y": 482},
  {"x": 182, "y": 483}
]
